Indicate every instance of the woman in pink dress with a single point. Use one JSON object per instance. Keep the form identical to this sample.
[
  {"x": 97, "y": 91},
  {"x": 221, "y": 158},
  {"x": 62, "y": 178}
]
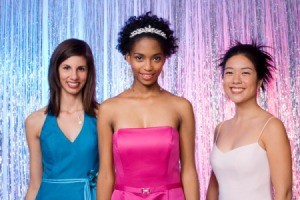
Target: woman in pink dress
[
  {"x": 147, "y": 134},
  {"x": 251, "y": 151}
]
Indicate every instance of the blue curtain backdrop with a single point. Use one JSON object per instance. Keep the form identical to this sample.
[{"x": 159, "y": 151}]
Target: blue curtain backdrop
[{"x": 31, "y": 29}]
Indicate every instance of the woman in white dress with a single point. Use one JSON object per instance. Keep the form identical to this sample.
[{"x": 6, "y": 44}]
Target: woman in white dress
[{"x": 251, "y": 153}]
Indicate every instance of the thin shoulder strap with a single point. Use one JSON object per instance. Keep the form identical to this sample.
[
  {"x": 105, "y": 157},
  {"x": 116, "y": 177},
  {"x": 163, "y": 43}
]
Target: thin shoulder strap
[
  {"x": 262, "y": 130},
  {"x": 219, "y": 131}
]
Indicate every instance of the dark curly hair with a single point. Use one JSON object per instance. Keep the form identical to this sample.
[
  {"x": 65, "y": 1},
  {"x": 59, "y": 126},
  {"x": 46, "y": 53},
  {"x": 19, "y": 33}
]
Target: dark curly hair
[
  {"x": 125, "y": 42},
  {"x": 262, "y": 60}
]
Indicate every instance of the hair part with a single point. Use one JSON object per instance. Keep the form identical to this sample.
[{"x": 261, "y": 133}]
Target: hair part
[
  {"x": 125, "y": 42},
  {"x": 66, "y": 49},
  {"x": 261, "y": 59}
]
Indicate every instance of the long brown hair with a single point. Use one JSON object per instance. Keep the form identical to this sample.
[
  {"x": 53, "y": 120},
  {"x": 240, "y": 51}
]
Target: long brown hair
[{"x": 66, "y": 49}]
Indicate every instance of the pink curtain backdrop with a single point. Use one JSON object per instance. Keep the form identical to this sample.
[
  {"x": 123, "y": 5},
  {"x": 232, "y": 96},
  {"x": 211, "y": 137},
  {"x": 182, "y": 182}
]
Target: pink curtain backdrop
[{"x": 31, "y": 29}]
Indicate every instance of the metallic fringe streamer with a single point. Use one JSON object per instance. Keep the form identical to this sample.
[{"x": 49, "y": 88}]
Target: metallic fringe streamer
[{"x": 31, "y": 29}]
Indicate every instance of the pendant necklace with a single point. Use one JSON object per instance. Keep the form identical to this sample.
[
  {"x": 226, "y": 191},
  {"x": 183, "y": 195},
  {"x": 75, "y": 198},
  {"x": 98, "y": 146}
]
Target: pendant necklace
[{"x": 79, "y": 119}]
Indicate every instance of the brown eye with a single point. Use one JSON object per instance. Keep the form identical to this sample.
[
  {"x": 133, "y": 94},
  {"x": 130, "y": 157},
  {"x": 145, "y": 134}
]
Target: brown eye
[
  {"x": 139, "y": 58},
  {"x": 246, "y": 73},
  {"x": 157, "y": 58},
  {"x": 66, "y": 67},
  {"x": 81, "y": 68},
  {"x": 228, "y": 72}
]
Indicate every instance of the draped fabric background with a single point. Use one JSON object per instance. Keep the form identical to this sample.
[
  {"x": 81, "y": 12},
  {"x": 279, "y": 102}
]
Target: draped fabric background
[{"x": 31, "y": 29}]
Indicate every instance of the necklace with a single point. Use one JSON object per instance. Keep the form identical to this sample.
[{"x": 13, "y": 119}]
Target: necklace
[{"x": 79, "y": 119}]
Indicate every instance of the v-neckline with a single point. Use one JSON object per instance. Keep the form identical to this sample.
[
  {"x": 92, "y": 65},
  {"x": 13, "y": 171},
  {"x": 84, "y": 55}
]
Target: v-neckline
[{"x": 79, "y": 133}]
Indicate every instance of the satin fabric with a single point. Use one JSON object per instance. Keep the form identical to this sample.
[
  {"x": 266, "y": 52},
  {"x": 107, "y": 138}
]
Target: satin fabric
[
  {"x": 146, "y": 159},
  {"x": 243, "y": 172},
  {"x": 69, "y": 168}
]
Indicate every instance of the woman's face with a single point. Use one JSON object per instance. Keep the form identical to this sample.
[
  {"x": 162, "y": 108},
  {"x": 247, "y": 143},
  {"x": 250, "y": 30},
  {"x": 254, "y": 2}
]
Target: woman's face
[
  {"x": 73, "y": 73},
  {"x": 240, "y": 81},
  {"x": 146, "y": 59}
]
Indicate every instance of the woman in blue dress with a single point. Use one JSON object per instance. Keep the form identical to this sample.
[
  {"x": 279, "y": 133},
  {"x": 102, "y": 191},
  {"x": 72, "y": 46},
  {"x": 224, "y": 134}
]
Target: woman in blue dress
[{"x": 62, "y": 137}]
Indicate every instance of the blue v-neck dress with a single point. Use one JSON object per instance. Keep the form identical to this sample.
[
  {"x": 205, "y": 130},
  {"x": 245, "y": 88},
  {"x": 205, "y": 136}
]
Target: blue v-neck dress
[{"x": 69, "y": 168}]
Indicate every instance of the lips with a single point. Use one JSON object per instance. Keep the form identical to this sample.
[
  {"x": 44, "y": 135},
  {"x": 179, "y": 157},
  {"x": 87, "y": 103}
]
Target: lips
[
  {"x": 236, "y": 90},
  {"x": 73, "y": 84},
  {"x": 147, "y": 77}
]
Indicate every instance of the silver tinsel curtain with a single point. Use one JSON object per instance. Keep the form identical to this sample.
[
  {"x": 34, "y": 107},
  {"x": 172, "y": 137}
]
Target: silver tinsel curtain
[{"x": 31, "y": 29}]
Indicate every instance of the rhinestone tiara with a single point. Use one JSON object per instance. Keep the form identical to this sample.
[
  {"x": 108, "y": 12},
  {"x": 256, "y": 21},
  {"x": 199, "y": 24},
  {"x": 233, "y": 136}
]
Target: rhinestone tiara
[{"x": 148, "y": 29}]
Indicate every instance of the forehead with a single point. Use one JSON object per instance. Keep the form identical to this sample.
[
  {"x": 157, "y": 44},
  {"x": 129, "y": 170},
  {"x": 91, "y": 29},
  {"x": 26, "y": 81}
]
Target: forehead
[
  {"x": 75, "y": 60},
  {"x": 146, "y": 45},
  {"x": 239, "y": 61}
]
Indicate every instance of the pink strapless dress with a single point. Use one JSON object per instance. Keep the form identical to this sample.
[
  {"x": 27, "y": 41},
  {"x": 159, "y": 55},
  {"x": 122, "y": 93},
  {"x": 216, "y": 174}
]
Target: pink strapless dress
[{"x": 147, "y": 164}]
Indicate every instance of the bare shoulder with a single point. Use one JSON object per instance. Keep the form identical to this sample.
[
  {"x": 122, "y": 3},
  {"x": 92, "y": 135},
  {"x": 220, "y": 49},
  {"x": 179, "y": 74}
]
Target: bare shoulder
[
  {"x": 274, "y": 131},
  {"x": 36, "y": 117},
  {"x": 224, "y": 123},
  {"x": 219, "y": 127},
  {"x": 180, "y": 102},
  {"x": 109, "y": 106},
  {"x": 276, "y": 126},
  {"x": 35, "y": 121}
]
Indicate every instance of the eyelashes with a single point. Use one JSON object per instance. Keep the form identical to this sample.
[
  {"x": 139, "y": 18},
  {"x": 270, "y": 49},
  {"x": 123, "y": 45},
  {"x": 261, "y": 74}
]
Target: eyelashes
[{"x": 142, "y": 58}]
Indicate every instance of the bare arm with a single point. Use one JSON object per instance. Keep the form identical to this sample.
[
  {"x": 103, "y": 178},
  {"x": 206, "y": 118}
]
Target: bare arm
[
  {"x": 187, "y": 150},
  {"x": 279, "y": 156},
  {"x": 213, "y": 186},
  {"x": 105, "y": 182},
  {"x": 33, "y": 125}
]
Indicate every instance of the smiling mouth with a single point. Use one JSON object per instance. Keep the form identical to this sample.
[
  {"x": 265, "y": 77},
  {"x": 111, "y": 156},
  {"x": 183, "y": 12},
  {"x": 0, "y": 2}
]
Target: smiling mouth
[
  {"x": 73, "y": 84},
  {"x": 147, "y": 76},
  {"x": 236, "y": 90}
]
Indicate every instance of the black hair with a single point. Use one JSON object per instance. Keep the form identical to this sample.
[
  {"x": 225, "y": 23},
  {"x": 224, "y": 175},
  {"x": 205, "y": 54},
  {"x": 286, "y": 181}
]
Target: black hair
[
  {"x": 261, "y": 59},
  {"x": 168, "y": 43}
]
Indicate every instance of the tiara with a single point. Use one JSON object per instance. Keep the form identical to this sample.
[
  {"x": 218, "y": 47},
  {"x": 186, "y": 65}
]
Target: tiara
[{"x": 148, "y": 29}]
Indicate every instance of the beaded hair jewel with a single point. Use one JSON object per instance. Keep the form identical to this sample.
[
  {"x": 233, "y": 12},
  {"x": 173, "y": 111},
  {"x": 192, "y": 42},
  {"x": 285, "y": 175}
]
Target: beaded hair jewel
[{"x": 148, "y": 29}]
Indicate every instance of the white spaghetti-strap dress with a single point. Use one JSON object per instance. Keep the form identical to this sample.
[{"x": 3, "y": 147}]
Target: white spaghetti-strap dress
[{"x": 242, "y": 173}]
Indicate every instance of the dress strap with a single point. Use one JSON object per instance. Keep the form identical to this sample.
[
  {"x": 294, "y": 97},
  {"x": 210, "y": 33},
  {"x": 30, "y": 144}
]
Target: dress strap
[
  {"x": 262, "y": 130},
  {"x": 219, "y": 131}
]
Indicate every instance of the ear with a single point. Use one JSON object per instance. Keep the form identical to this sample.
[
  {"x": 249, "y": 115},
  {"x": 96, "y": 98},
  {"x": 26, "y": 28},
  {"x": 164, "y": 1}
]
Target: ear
[
  {"x": 164, "y": 59},
  {"x": 259, "y": 84},
  {"x": 127, "y": 57}
]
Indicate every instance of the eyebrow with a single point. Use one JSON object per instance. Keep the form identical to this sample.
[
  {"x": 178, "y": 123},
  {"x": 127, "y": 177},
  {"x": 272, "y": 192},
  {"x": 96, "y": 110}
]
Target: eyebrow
[
  {"x": 66, "y": 65},
  {"x": 241, "y": 68},
  {"x": 157, "y": 54}
]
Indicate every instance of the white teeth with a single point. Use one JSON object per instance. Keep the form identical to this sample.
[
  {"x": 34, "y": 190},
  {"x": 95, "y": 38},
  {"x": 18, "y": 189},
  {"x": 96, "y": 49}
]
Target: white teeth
[
  {"x": 147, "y": 76},
  {"x": 237, "y": 90},
  {"x": 73, "y": 84}
]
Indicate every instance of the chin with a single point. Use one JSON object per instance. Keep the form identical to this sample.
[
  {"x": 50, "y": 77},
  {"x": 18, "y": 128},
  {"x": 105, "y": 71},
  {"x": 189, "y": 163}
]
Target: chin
[
  {"x": 148, "y": 83},
  {"x": 241, "y": 101},
  {"x": 75, "y": 92}
]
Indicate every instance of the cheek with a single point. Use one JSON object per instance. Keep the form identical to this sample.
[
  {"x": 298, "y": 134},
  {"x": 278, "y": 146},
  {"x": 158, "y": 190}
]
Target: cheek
[
  {"x": 226, "y": 88},
  {"x": 225, "y": 83},
  {"x": 252, "y": 81},
  {"x": 135, "y": 67},
  {"x": 61, "y": 76},
  {"x": 159, "y": 69},
  {"x": 159, "y": 66},
  {"x": 85, "y": 76}
]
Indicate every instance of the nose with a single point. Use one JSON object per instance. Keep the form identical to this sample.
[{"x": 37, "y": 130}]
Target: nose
[
  {"x": 74, "y": 74},
  {"x": 236, "y": 78},
  {"x": 148, "y": 65}
]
